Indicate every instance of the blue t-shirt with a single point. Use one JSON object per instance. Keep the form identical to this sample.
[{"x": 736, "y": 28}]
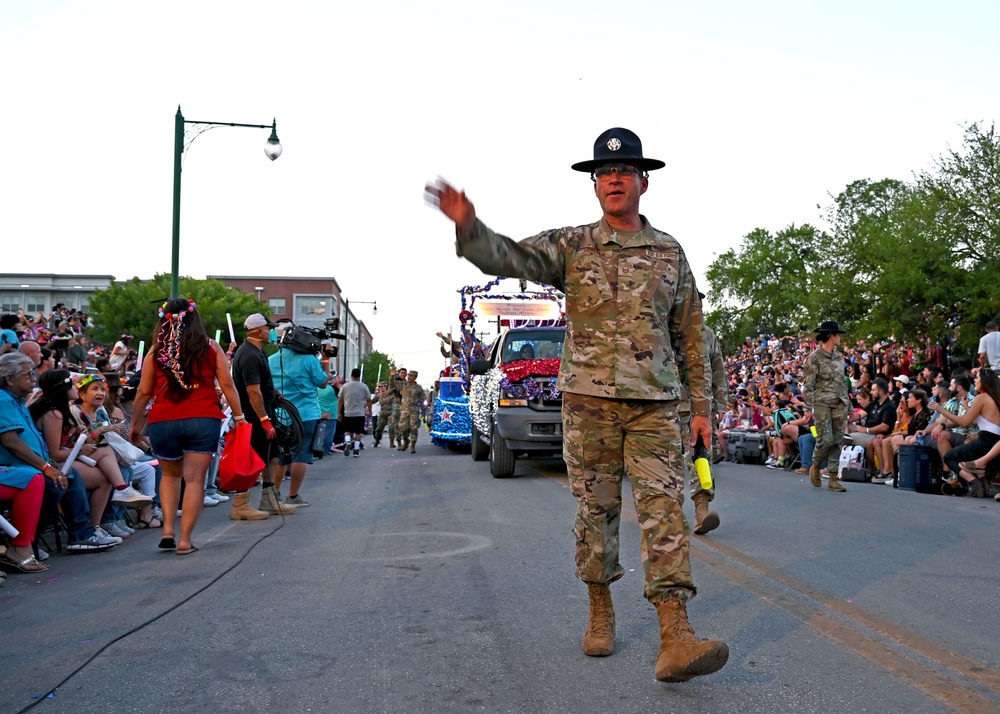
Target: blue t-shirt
[
  {"x": 14, "y": 416},
  {"x": 298, "y": 377}
]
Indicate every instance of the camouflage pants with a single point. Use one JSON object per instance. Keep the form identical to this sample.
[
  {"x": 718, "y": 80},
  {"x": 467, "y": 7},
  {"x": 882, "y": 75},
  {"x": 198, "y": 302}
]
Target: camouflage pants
[
  {"x": 693, "y": 481},
  {"x": 394, "y": 424},
  {"x": 384, "y": 420},
  {"x": 830, "y": 425},
  {"x": 409, "y": 425},
  {"x": 603, "y": 440}
]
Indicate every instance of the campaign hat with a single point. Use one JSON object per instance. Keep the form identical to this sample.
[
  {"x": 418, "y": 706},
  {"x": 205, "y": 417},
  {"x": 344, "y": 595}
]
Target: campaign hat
[
  {"x": 618, "y": 146},
  {"x": 831, "y": 327}
]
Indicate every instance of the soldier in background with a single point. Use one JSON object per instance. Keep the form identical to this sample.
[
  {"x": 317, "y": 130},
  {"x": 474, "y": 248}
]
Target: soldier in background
[
  {"x": 386, "y": 400},
  {"x": 631, "y": 303},
  {"x": 825, "y": 392},
  {"x": 396, "y": 388},
  {"x": 411, "y": 398},
  {"x": 705, "y": 520}
]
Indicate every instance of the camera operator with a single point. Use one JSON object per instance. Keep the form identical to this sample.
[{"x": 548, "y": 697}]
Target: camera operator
[{"x": 298, "y": 377}]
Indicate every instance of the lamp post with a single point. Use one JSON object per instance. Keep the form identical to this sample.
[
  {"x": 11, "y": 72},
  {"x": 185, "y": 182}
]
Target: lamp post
[
  {"x": 272, "y": 149},
  {"x": 347, "y": 327}
]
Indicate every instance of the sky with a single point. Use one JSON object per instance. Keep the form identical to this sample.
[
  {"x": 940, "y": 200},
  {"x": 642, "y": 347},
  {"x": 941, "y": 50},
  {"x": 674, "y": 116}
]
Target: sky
[{"x": 762, "y": 112}]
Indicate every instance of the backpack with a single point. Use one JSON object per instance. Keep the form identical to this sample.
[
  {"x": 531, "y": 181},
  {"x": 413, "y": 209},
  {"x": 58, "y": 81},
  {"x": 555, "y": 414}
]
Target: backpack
[{"x": 852, "y": 464}]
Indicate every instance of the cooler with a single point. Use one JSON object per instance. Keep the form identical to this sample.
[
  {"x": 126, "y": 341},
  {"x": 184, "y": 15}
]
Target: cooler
[
  {"x": 451, "y": 387},
  {"x": 915, "y": 467}
]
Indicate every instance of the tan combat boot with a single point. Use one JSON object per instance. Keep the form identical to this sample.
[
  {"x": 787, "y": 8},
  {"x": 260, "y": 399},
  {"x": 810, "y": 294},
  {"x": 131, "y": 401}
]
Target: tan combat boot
[
  {"x": 270, "y": 503},
  {"x": 814, "y": 477},
  {"x": 682, "y": 655},
  {"x": 704, "y": 519},
  {"x": 413, "y": 447},
  {"x": 834, "y": 483},
  {"x": 403, "y": 445},
  {"x": 243, "y": 510},
  {"x": 599, "y": 640}
]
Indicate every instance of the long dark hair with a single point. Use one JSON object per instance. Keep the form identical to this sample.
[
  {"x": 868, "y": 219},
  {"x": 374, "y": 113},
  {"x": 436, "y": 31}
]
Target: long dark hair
[
  {"x": 180, "y": 343},
  {"x": 990, "y": 383},
  {"x": 55, "y": 386}
]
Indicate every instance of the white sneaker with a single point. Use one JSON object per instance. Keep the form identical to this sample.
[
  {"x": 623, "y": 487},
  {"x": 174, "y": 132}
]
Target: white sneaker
[
  {"x": 131, "y": 497},
  {"x": 209, "y": 501},
  {"x": 106, "y": 537},
  {"x": 220, "y": 497}
]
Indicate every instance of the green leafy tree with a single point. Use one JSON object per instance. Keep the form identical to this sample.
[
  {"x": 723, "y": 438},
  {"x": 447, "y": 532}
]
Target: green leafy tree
[
  {"x": 132, "y": 307},
  {"x": 766, "y": 284},
  {"x": 371, "y": 366},
  {"x": 964, "y": 192}
]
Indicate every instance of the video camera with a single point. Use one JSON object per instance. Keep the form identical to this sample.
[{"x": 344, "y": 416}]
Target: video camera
[{"x": 309, "y": 340}]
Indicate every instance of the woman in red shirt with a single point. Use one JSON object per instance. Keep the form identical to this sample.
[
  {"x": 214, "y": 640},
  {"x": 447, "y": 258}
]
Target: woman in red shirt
[{"x": 179, "y": 376}]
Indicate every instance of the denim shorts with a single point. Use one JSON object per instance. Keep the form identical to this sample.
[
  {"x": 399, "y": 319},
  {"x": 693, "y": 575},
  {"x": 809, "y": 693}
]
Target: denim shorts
[
  {"x": 305, "y": 453},
  {"x": 172, "y": 439}
]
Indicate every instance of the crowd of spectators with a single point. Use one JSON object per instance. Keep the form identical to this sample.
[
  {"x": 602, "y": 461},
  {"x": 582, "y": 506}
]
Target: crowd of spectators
[{"x": 899, "y": 395}]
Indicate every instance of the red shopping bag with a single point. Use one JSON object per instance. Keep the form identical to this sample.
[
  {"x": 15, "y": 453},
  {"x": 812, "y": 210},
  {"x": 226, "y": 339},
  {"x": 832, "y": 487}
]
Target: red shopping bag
[{"x": 239, "y": 465}]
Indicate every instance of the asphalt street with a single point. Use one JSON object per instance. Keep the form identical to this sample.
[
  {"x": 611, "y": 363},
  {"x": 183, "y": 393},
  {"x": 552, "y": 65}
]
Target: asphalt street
[{"x": 418, "y": 583}]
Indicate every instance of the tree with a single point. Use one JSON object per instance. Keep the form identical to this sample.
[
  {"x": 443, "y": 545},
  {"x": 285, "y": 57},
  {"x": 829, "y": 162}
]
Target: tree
[
  {"x": 132, "y": 307},
  {"x": 767, "y": 284},
  {"x": 376, "y": 366}
]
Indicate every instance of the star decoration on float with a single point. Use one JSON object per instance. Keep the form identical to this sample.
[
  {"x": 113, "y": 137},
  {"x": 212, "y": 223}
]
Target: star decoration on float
[{"x": 446, "y": 415}]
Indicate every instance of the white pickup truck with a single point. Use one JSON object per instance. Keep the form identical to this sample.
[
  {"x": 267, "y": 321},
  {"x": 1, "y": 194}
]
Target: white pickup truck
[{"x": 515, "y": 407}]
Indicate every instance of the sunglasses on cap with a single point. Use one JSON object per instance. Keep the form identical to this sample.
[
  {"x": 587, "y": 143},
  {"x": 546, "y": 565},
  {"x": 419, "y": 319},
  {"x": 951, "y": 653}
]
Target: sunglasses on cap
[{"x": 89, "y": 379}]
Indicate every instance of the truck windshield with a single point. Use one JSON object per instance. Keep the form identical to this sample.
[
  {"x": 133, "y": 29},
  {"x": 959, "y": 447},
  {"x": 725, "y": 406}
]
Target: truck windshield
[{"x": 546, "y": 344}]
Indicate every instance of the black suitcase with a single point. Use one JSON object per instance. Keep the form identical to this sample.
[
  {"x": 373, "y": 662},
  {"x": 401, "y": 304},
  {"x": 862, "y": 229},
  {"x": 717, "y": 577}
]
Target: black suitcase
[
  {"x": 915, "y": 469},
  {"x": 748, "y": 446}
]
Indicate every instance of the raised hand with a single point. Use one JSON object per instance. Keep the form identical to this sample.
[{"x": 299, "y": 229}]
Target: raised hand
[{"x": 452, "y": 203}]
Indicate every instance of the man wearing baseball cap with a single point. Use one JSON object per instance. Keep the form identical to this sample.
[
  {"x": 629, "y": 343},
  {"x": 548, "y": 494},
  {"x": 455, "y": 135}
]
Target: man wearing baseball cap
[
  {"x": 252, "y": 377},
  {"x": 631, "y": 304}
]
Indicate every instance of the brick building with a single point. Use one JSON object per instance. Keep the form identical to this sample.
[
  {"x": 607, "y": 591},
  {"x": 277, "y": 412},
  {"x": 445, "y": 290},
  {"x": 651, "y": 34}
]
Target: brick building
[{"x": 309, "y": 301}]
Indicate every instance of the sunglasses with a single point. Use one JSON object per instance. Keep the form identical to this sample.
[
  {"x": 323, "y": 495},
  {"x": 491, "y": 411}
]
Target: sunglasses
[
  {"x": 623, "y": 171},
  {"x": 88, "y": 379}
]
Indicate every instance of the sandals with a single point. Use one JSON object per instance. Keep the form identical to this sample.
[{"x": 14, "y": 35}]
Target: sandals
[
  {"x": 167, "y": 543},
  {"x": 141, "y": 525},
  {"x": 28, "y": 565},
  {"x": 970, "y": 466},
  {"x": 187, "y": 551}
]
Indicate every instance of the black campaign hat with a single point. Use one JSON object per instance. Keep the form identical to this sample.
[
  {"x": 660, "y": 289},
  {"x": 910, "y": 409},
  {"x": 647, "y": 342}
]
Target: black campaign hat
[
  {"x": 831, "y": 327},
  {"x": 618, "y": 146}
]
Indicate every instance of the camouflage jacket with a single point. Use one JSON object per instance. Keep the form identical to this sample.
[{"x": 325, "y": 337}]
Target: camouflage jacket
[
  {"x": 824, "y": 379},
  {"x": 631, "y": 304},
  {"x": 720, "y": 387},
  {"x": 412, "y": 397}
]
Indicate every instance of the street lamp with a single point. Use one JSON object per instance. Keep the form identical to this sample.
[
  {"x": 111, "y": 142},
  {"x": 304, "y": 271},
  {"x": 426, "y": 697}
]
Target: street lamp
[
  {"x": 272, "y": 149},
  {"x": 259, "y": 290}
]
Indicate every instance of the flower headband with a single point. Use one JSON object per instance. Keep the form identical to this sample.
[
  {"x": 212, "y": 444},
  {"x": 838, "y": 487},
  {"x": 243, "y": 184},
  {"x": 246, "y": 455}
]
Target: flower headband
[
  {"x": 88, "y": 379},
  {"x": 178, "y": 315}
]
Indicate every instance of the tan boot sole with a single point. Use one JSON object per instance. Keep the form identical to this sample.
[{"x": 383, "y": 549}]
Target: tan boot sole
[
  {"x": 712, "y": 660},
  {"x": 710, "y": 523},
  {"x": 598, "y": 651}
]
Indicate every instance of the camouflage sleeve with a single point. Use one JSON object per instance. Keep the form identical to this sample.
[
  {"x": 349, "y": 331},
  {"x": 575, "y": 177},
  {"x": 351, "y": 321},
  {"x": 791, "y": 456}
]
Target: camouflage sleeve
[
  {"x": 540, "y": 258},
  {"x": 686, "y": 333},
  {"x": 720, "y": 388},
  {"x": 809, "y": 381}
]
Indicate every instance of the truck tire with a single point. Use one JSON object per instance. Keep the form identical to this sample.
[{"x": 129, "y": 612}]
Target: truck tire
[
  {"x": 480, "y": 449},
  {"x": 501, "y": 458}
]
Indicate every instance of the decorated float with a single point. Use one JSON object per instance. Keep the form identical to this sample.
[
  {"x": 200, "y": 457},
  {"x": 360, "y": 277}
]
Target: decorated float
[{"x": 451, "y": 424}]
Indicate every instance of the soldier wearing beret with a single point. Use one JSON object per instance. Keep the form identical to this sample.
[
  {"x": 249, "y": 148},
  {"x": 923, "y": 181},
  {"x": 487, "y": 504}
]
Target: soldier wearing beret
[{"x": 631, "y": 303}]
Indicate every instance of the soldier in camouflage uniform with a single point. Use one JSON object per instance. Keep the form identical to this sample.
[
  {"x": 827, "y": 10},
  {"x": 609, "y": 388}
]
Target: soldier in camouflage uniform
[
  {"x": 384, "y": 397},
  {"x": 412, "y": 397},
  {"x": 825, "y": 393},
  {"x": 395, "y": 388},
  {"x": 705, "y": 520},
  {"x": 631, "y": 303}
]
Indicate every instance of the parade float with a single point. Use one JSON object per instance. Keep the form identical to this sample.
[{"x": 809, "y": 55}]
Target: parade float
[{"x": 452, "y": 424}]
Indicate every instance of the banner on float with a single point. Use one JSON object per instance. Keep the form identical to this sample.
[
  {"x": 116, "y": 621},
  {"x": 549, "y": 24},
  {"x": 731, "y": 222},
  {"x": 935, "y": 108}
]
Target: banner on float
[{"x": 522, "y": 309}]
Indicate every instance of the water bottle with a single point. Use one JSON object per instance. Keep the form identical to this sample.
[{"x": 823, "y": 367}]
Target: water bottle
[
  {"x": 814, "y": 431},
  {"x": 920, "y": 439},
  {"x": 702, "y": 464}
]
